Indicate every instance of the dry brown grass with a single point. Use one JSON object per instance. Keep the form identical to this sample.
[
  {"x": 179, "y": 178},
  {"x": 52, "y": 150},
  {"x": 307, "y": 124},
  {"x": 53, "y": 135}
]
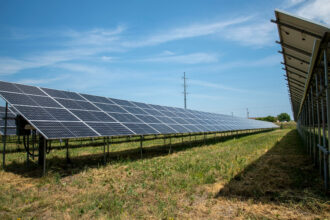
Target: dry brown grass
[{"x": 262, "y": 176}]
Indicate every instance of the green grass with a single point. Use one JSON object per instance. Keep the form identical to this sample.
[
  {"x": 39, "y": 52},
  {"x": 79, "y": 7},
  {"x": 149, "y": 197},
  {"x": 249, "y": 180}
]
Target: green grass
[{"x": 265, "y": 175}]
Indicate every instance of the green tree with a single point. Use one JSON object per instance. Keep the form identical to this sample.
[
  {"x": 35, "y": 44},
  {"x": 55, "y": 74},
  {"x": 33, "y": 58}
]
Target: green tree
[
  {"x": 283, "y": 117},
  {"x": 268, "y": 118}
]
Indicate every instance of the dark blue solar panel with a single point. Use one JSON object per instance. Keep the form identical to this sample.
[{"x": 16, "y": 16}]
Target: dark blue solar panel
[
  {"x": 166, "y": 120},
  {"x": 70, "y": 110},
  {"x": 148, "y": 119},
  {"x": 84, "y": 115},
  {"x": 61, "y": 114},
  {"x": 8, "y": 87},
  {"x": 110, "y": 129},
  {"x": 32, "y": 90},
  {"x": 163, "y": 129},
  {"x": 153, "y": 112},
  {"x": 10, "y": 131},
  {"x": 141, "y": 105},
  {"x": 124, "y": 117},
  {"x": 99, "y": 99},
  {"x": 169, "y": 114},
  {"x": 55, "y": 93},
  {"x": 102, "y": 116},
  {"x": 44, "y": 101},
  {"x": 79, "y": 129},
  {"x": 18, "y": 99},
  {"x": 73, "y": 95},
  {"x": 180, "y": 121},
  {"x": 34, "y": 113},
  {"x": 193, "y": 128},
  {"x": 122, "y": 102},
  {"x": 134, "y": 110},
  {"x": 10, "y": 123},
  {"x": 110, "y": 108},
  {"x": 141, "y": 128},
  {"x": 53, "y": 129},
  {"x": 180, "y": 128},
  {"x": 86, "y": 105},
  {"x": 70, "y": 104}
]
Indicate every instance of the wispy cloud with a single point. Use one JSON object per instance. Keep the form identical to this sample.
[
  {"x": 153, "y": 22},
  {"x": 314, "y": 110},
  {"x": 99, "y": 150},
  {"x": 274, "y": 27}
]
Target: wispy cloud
[
  {"x": 252, "y": 34},
  {"x": 184, "y": 32},
  {"x": 95, "y": 37},
  {"x": 76, "y": 46},
  {"x": 316, "y": 9},
  {"x": 42, "y": 81},
  {"x": 267, "y": 61},
  {"x": 99, "y": 44},
  {"x": 291, "y": 3},
  {"x": 193, "y": 58},
  {"x": 214, "y": 85}
]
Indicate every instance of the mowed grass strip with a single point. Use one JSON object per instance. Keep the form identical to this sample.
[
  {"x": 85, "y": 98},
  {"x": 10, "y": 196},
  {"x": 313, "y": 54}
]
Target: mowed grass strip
[{"x": 265, "y": 175}]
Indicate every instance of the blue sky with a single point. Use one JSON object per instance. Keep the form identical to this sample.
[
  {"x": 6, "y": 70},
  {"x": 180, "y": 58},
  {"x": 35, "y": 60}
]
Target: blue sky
[{"x": 138, "y": 50}]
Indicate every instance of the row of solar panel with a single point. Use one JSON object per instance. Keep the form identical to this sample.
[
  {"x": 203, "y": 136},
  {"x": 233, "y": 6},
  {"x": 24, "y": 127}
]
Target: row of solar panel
[
  {"x": 62, "y": 114},
  {"x": 11, "y": 126}
]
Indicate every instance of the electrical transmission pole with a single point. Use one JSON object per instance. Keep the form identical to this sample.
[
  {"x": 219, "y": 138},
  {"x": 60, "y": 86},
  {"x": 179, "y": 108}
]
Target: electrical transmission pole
[
  {"x": 247, "y": 112},
  {"x": 184, "y": 90}
]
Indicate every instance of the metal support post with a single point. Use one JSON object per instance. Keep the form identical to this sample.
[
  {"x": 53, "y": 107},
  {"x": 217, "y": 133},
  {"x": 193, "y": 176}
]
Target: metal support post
[
  {"x": 33, "y": 142},
  {"x": 104, "y": 154},
  {"x": 323, "y": 128},
  {"x": 318, "y": 120},
  {"x": 108, "y": 147},
  {"x": 44, "y": 158},
  {"x": 170, "y": 144},
  {"x": 28, "y": 150},
  {"x": 189, "y": 140},
  {"x": 327, "y": 145},
  {"x": 5, "y": 138},
  {"x": 141, "y": 144},
  {"x": 313, "y": 148},
  {"x": 67, "y": 151}
]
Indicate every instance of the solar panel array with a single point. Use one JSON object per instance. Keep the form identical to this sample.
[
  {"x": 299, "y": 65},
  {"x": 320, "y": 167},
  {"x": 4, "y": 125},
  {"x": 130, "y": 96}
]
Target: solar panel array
[
  {"x": 11, "y": 126},
  {"x": 61, "y": 114}
]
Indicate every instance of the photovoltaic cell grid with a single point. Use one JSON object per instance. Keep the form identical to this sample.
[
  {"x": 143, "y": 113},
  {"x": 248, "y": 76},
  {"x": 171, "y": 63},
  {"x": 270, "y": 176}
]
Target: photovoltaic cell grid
[
  {"x": 11, "y": 127},
  {"x": 61, "y": 114}
]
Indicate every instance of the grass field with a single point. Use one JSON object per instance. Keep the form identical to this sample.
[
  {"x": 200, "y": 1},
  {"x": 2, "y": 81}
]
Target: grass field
[{"x": 260, "y": 176}]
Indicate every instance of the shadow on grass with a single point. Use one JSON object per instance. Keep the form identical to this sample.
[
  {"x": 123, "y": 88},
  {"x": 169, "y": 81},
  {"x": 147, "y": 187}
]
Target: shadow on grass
[
  {"x": 77, "y": 164},
  {"x": 283, "y": 174}
]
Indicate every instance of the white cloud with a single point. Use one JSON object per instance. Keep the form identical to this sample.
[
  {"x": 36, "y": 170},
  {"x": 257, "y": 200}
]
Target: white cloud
[
  {"x": 267, "y": 61},
  {"x": 193, "y": 58},
  {"x": 95, "y": 37},
  {"x": 292, "y": 3},
  {"x": 190, "y": 31},
  {"x": 252, "y": 34},
  {"x": 42, "y": 81},
  {"x": 107, "y": 58},
  {"x": 316, "y": 10},
  {"x": 12, "y": 65}
]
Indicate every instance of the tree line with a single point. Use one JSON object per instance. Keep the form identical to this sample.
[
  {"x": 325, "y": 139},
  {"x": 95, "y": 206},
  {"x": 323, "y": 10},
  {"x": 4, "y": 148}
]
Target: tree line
[{"x": 281, "y": 117}]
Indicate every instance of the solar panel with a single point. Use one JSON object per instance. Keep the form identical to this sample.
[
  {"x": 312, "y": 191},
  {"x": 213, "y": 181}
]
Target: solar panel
[
  {"x": 61, "y": 114},
  {"x": 11, "y": 126}
]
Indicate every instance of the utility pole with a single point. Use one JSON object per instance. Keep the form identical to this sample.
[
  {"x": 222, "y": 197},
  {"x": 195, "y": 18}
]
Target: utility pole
[
  {"x": 185, "y": 90},
  {"x": 247, "y": 112}
]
